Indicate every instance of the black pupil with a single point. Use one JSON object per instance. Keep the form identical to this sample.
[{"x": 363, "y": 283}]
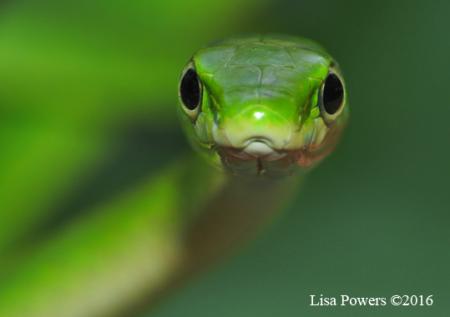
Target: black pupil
[
  {"x": 190, "y": 90},
  {"x": 333, "y": 94}
]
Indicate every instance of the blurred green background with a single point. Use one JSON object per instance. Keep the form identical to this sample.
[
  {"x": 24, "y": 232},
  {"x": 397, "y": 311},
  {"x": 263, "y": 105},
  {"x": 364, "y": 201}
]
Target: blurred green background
[{"x": 81, "y": 83}]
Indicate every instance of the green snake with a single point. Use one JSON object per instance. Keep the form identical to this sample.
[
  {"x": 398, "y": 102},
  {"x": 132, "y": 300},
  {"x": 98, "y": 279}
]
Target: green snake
[
  {"x": 263, "y": 105},
  {"x": 260, "y": 110}
]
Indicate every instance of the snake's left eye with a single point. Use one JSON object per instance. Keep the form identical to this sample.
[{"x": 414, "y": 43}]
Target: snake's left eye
[{"x": 190, "y": 91}]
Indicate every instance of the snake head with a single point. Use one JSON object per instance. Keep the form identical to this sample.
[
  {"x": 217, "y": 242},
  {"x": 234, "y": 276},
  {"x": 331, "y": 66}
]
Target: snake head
[{"x": 263, "y": 105}]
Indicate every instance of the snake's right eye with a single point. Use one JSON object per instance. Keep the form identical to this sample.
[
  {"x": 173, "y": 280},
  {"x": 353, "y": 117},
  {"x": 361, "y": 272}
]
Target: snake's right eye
[
  {"x": 332, "y": 97},
  {"x": 190, "y": 92}
]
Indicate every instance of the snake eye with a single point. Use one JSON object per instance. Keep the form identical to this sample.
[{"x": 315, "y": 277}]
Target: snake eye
[
  {"x": 332, "y": 97},
  {"x": 190, "y": 92}
]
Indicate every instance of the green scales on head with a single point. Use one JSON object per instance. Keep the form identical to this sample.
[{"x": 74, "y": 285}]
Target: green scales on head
[{"x": 263, "y": 105}]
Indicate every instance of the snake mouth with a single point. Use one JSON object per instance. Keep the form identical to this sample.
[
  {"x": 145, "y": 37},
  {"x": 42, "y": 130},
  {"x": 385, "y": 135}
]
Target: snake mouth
[
  {"x": 254, "y": 149},
  {"x": 257, "y": 158}
]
